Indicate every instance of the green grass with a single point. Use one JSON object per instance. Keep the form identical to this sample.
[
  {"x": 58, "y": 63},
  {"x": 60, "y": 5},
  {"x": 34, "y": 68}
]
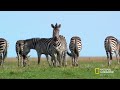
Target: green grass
[{"x": 85, "y": 70}]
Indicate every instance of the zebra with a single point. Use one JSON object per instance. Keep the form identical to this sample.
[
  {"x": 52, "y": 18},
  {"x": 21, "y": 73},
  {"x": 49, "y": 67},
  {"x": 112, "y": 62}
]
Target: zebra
[
  {"x": 58, "y": 46},
  {"x": 38, "y": 44},
  {"x": 75, "y": 47},
  {"x": 22, "y": 58},
  {"x": 3, "y": 50},
  {"x": 112, "y": 45}
]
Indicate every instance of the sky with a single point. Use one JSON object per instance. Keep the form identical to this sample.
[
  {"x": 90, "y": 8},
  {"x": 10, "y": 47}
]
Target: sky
[{"x": 91, "y": 26}]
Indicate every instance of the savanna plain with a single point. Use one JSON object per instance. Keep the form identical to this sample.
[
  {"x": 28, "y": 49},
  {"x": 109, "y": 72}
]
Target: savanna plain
[{"x": 85, "y": 70}]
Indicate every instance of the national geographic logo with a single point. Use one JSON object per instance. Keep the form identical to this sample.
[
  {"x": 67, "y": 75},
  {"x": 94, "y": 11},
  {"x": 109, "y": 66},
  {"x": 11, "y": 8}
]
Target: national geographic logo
[{"x": 104, "y": 70}]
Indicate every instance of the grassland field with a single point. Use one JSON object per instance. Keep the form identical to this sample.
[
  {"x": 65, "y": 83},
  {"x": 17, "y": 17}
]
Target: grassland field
[{"x": 85, "y": 70}]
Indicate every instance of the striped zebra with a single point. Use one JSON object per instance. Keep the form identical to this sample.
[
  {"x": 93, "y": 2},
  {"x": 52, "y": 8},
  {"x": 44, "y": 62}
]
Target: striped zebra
[
  {"x": 75, "y": 47},
  {"x": 3, "y": 50},
  {"x": 112, "y": 45},
  {"x": 58, "y": 46},
  {"x": 38, "y": 44},
  {"x": 22, "y": 58}
]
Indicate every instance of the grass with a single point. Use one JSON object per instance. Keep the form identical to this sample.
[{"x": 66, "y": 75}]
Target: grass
[{"x": 85, "y": 70}]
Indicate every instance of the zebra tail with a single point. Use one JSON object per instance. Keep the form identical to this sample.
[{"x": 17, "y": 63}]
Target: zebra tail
[
  {"x": 76, "y": 48},
  {"x": 109, "y": 44},
  {"x": 69, "y": 54},
  {"x": 77, "y": 53}
]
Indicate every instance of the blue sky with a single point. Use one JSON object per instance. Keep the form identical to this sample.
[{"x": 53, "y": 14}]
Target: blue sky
[{"x": 91, "y": 26}]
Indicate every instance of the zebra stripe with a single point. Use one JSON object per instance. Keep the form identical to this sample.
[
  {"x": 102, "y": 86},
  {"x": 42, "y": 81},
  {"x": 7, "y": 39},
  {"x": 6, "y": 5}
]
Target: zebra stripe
[
  {"x": 75, "y": 47},
  {"x": 112, "y": 45},
  {"x": 58, "y": 46},
  {"x": 42, "y": 47},
  {"x": 3, "y": 50}
]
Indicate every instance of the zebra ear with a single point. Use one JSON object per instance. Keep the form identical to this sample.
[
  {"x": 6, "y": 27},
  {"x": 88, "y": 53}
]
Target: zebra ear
[
  {"x": 59, "y": 25},
  {"x": 52, "y": 26}
]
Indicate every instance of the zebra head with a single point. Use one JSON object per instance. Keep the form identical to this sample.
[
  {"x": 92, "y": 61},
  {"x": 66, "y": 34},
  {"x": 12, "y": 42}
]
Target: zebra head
[{"x": 55, "y": 31}]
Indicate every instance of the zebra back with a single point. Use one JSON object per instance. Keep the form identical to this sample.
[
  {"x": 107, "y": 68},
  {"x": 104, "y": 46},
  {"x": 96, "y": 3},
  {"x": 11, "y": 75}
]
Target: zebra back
[
  {"x": 111, "y": 44},
  {"x": 31, "y": 43},
  {"x": 43, "y": 45}
]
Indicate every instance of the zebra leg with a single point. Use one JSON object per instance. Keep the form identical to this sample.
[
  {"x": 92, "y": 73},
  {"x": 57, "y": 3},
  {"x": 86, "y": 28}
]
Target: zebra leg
[
  {"x": 72, "y": 58},
  {"x": 28, "y": 63},
  {"x": 64, "y": 60},
  {"x": 18, "y": 60},
  {"x": 4, "y": 55},
  {"x": 59, "y": 59},
  {"x": 22, "y": 61},
  {"x": 0, "y": 59},
  {"x": 24, "y": 64},
  {"x": 52, "y": 62},
  {"x": 72, "y": 61},
  {"x": 119, "y": 58},
  {"x": 107, "y": 55},
  {"x": 110, "y": 59},
  {"x": 52, "y": 59},
  {"x": 76, "y": 61},
  {"x": 48, "y": 60},
  {"x": 3, "y": 62},
  {"x": 117, "y": 54},
  {"x": 55, "y": 60},
  {"x": 39, "y": 56}
]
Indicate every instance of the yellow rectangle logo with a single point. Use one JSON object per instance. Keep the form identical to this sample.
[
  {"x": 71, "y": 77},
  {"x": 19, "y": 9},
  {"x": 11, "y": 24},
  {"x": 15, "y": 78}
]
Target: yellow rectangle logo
[{"x": 97, "y": 70}]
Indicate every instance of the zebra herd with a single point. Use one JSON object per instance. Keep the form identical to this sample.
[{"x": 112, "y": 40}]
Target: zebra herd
[{"x": 56, "y": 48}]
